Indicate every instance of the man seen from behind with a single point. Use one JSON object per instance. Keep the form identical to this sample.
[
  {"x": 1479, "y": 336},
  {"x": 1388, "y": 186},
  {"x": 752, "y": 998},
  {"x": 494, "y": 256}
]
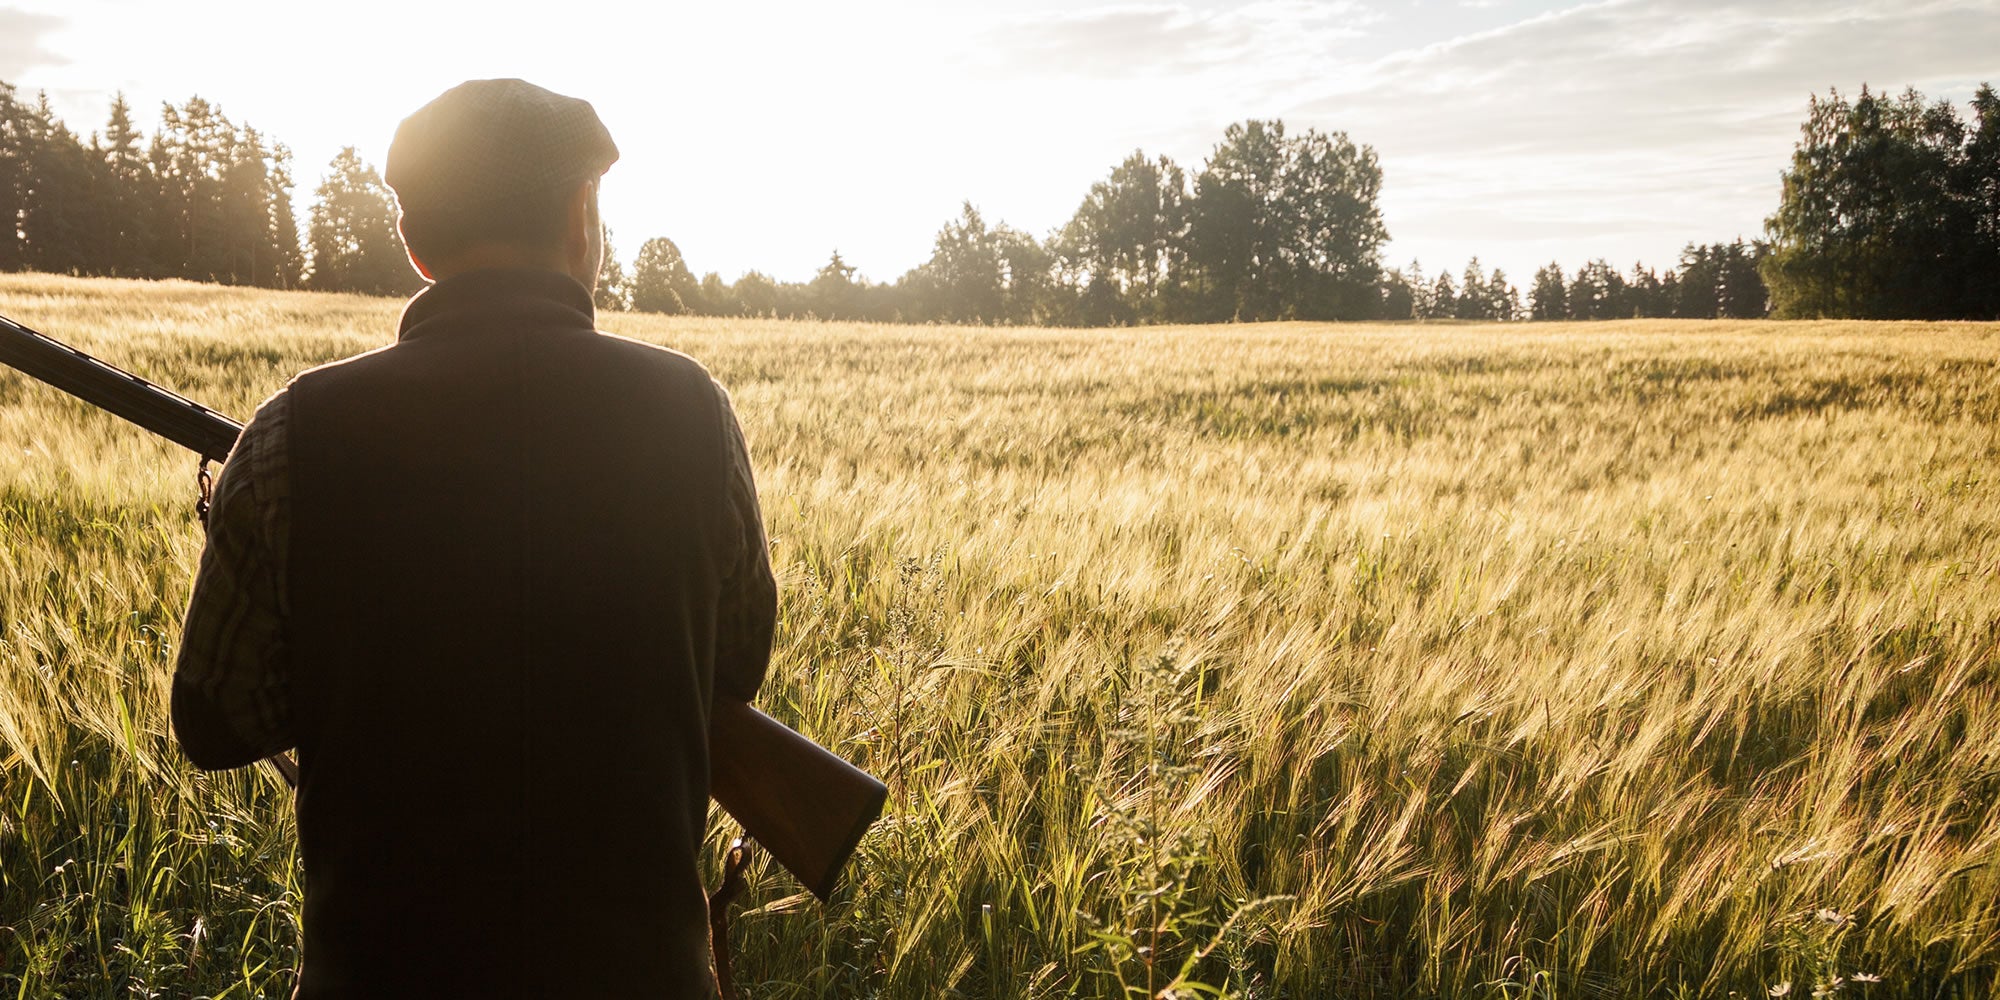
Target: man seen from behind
[{"x": 487, "y": 581}]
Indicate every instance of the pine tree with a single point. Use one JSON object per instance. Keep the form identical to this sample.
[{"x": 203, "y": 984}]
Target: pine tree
[
  {"x": 612, "y": 294},
  {"x": 58, "y": 211},
  {"x": 1421, "y": 305},
  {"x": 1399, "y": 300},
  {"x": 1740, "y": 292},
  {"x": 1700, "y": 288},
  {"x": 1980, "y": 184},
  {"x": 833, "y": 293},
  {"x": 352, "y": 232},
  {"x": 195, "y": 144},
  {"x": 164, "y": 211},
  {"x": 132, "y": 189},
  {"x": 1644, "y": 293},
  {"x": 288, "y": 262},
  {"x": 1502, "y": 301},
  {"x": 249, "y": 253},
  {"x": 1474, "y": 302},
  {"x": 13, "y": 178},
  {"x": 1443, "y": 297},
  {"x": 1286, "y": 227},
  {"x": 1549, "y": 298}
]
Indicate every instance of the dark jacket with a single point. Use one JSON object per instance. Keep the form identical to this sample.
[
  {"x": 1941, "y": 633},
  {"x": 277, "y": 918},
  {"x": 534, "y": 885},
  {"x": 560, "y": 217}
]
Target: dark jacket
[{"x": 511, "y": 580}]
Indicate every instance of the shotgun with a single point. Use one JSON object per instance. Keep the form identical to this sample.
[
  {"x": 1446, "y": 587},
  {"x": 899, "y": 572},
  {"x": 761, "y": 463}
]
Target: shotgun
[{"x": 807, "y": 806}]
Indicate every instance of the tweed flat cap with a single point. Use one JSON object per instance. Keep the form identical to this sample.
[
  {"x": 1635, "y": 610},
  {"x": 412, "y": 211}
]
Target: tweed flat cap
[{"x": 485, "y": 141}]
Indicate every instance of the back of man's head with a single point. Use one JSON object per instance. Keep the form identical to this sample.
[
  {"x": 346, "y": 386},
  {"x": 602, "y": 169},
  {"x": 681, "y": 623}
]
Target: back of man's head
[{"x": 494, "y": 162}]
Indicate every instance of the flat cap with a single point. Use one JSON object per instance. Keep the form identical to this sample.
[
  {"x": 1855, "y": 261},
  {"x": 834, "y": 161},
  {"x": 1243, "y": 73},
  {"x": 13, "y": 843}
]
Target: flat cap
[{"x": 486, "y": 141}]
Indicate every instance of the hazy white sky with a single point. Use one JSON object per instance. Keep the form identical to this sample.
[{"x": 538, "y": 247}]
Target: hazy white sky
[{"x": 767, "y": 135}]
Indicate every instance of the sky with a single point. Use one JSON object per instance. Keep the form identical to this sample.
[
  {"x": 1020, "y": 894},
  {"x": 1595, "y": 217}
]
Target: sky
[{"x": 767, "y": 136}]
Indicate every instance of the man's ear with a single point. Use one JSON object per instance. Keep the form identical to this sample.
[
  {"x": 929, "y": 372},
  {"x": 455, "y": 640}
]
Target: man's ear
[
  {"x": 579, "y": 218},
  {"x": 583, "y": 235}
]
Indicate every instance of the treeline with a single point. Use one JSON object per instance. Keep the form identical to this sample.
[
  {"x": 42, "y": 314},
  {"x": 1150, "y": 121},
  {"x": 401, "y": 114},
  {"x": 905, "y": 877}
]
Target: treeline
[
  {"x": 1715, "y": 281},
  {"x": 204, "y": 198},
  {"x": 1891, "y": 209},
  {"x": 1273, "y": 226}
]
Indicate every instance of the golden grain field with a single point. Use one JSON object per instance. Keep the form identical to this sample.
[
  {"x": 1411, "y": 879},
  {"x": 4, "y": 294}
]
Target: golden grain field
[{"x": 1649, "y": 659}]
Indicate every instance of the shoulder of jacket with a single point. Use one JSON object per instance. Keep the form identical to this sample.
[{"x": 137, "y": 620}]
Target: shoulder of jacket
[
  {"x": 666, "y": 357},
  {"x": 316, "y": 371}
]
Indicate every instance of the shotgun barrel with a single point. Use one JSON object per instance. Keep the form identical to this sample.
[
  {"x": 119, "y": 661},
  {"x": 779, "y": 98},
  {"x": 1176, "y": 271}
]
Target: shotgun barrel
[
  {"x": 805, "y": 804},
  {"x": 168, "y": 414}
]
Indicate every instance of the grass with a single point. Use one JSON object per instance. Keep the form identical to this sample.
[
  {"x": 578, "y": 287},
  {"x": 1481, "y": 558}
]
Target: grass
[{"x": 1650, "y": 659}]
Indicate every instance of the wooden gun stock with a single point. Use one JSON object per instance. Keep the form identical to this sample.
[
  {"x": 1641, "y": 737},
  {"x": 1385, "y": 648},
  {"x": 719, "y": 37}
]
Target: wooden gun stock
[{"x": 807, "y": 806}]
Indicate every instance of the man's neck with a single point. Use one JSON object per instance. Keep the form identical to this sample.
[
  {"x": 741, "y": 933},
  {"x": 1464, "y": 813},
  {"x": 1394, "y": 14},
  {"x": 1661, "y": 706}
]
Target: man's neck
[{"x": 497, "y": 257}]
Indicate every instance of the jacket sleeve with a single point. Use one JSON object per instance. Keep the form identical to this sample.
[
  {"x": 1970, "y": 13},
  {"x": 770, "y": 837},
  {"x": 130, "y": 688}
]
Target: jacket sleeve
[
  {"x": 748, "y": 607},
  {"x": 231, "y": 692}
]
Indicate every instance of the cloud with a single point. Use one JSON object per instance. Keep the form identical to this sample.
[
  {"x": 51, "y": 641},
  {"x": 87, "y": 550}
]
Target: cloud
[
  {"x": 1157, "y": 40},
  {"x": 21, "y": 42},
  {"x": 1629, "y": 126},
  {"x": 1655, "y": 73}
]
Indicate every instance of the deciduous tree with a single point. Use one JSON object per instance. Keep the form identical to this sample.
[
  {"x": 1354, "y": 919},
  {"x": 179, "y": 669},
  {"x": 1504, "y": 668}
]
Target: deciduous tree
[
  {"x": 1876, "y": 219},
  {"x": 1129, "y": 235},
  {"x": 1286, "y": 228},
  {"x": 661, "y": 281}
]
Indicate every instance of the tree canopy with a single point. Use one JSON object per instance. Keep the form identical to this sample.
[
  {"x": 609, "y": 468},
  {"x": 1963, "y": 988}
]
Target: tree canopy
[{"x": 1888, "y": 211}]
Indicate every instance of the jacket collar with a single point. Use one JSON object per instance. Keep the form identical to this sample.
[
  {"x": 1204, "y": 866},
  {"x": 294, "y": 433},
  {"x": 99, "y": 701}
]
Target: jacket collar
[{"x": 478, "y": 298}]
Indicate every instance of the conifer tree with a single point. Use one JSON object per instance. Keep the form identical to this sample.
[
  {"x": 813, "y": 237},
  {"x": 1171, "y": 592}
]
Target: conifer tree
[
  {"x": 352, "y": 233},
  {"x": 1549, "y": 297},
  {"x": 1398, "y": 298},
  {"x": 1980, "y": 182},
  {"x": 1421, "y": 306},
  {"x": 250, "y": 253},
  {"x": 13, "y": 177},
  {"x": 58, "y": 210},
  {"x": 1740, "y": 292},
  {"x": 1597, "y": 293},
  {"x": 612, "y": 294},
  {"x": 1503, "y": 302},
  {"x": 129, "y": 207},
  {"x": 1443, "y": 297},
  {"x": 195, "y": 144},
  {"x": 833, "y": 293},
  {"x": 1474, "y": 302},
  {"x": 288, "y": 264}
]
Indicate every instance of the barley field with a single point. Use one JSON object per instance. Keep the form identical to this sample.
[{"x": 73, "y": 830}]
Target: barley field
[{"x": 1653, "y": 659}]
